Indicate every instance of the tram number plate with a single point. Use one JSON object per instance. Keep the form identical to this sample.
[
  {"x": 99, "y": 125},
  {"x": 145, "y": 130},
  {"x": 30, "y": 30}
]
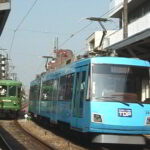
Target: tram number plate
[{"x": 124, "y": 112}]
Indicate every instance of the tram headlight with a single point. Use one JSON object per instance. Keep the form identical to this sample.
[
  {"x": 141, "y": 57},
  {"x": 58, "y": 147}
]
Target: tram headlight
[
  {"x": 148, "y": 120},
  {"x": 97, "y": 118},
  {"x": 14, "y": 103}
]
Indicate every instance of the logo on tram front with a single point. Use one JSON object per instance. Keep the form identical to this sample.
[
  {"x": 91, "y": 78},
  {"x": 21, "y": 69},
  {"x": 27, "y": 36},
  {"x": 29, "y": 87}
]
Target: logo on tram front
[{"x": 122, "y": 112}]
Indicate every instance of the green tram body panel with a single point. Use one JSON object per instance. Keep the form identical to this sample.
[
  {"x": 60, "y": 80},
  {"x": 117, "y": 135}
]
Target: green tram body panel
[
  {"x": 10, "y": 82},
  {"x": 11, "y": 100}
]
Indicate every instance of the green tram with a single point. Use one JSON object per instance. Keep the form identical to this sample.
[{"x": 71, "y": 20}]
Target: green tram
[{"x": 10, "y": 98}]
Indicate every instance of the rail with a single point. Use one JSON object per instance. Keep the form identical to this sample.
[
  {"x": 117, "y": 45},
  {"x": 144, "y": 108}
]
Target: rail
[
  {"x": 50, "y": 146},
  {"x": 4, "y": 144}
]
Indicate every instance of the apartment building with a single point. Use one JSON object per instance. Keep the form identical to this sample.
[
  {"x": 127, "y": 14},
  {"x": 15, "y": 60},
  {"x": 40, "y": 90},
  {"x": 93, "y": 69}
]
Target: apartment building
[{"x": 137, "y": 44}]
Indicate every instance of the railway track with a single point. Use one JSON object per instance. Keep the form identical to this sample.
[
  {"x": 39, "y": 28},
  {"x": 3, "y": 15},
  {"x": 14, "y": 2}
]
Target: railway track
[
  {"x": 18, "y": 139},
  {"x": 3, "y": 144},
  {"x": 78, "y": 142}
]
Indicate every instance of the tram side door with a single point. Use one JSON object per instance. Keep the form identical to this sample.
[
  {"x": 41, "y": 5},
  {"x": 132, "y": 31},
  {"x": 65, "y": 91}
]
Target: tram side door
[{"x": 80, "y": 89}]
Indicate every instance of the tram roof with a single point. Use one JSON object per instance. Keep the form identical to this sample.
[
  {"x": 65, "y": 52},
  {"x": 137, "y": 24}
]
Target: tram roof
[
  {"x": 95, "y": 60},
  {"x": 121, "y": 61},
  {"x": 10, "y": 82}
]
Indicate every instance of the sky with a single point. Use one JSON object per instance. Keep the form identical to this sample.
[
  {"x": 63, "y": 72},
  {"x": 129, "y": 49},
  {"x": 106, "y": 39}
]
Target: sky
[{"x": 47, "y": 20}]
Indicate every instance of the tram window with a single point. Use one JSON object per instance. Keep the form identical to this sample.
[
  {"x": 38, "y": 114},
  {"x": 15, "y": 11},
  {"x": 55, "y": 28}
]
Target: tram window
[
  {"x": 19, "y": 91},
  {"x": 50, "y": 90},
  {"x": 12, "y": 90},
  {"x": 62, "y": 88},
  {"x": 55, "y": 86},
  {"x": 77, "y": 88},
  {"x": 3, "y": 90},
  {"x": 34, "y": 92},
  {"x": 122, "y": 83},
  {"x": 47, "y": 90},
  {"x": 31, "y": 95},
  {"x": 82, "y": 86},
  {"x": 69, "y": 87}
]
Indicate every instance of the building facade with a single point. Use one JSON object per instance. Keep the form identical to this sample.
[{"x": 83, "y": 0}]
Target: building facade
[
  {"x": 94, "y": 40},
  {"x": 138, "y": 17},
  {"x": 137, "y": 44}
]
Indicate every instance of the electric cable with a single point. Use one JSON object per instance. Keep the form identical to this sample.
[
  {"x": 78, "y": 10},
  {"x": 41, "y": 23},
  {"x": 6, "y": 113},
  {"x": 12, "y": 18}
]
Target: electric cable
[
  {"x": 19, "y": 25},
  {"x": 72, "y": 35}
]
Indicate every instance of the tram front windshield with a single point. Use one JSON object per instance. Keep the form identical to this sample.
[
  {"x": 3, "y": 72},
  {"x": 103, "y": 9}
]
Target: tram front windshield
[
  {"x": 120, "y": 83},
  {"x": 3, "y": 90}
]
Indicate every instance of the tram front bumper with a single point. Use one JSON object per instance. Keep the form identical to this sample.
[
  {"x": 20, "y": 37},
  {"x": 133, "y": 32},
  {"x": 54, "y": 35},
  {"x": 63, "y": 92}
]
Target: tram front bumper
[{"x": 118, "y": 139}]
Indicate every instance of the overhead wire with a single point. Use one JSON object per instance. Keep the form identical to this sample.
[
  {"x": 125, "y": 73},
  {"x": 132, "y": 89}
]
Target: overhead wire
[
  {"x": 47, "y": 32},
  {"x": 72, "y": 35},
  {"x": 21, "y": 22},
  {"x": 106, "y": 13},
  {"x": 37, "y": 31}
]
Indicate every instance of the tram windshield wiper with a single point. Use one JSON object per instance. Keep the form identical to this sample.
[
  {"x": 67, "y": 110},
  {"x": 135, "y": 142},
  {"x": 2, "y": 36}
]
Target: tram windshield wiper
[
  {"x": 121, "y": 102},
  {"x": 139, "y": 103},
  {"x": 111, "y": 99}
]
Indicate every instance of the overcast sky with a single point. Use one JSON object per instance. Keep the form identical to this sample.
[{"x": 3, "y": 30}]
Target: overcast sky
[{"x": 47, "y": 20}]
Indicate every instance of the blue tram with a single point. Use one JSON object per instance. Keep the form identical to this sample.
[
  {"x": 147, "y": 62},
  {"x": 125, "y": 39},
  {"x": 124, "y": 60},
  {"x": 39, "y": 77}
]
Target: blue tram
[{"x": 105, "y": 97}]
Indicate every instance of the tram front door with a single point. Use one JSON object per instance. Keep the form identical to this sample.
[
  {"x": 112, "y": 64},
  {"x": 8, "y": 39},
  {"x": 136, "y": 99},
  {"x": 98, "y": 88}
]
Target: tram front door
[{"x": 80, "y": 89}]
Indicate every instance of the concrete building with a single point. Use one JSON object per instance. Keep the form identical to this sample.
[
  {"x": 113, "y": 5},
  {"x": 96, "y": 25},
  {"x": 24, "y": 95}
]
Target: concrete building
[
  {"x": 5, "y": 6},
  {"x": 138, "y": 17},
  {"x": 93, "y": 41},
  {"x": 137, "y": 43}
]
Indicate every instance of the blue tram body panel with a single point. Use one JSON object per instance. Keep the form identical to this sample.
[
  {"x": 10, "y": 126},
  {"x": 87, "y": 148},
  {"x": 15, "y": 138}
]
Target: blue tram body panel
[
  {"x": 113, "y": 122},
  {"x": 64, "y": 111},
  {"x": 120, "y": 61},
  {"x": 80, "y": 112}
]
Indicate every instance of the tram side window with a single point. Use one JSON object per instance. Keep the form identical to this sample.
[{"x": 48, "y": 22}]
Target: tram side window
[
  {"x": 69, "y": 87},
  {"x": 62, "y": 88},
  {"x": 12, "y": 90},
  {"x": 34, "y": 93},
  {"x": 19, "y": 92},
  {"x": 3, "y": 90},
  {"x": 47, "y": 90},
  {"x": 55, "y": 89},
  {"x": 31, "y": 96},
  {"x": 50, "y": 90},
  {"x": 82, "y": 87}
]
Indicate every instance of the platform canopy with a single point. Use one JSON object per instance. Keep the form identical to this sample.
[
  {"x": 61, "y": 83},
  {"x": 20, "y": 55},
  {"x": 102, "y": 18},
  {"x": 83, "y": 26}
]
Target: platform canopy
[
  {"x": 5, "y": 6},
  {"x": 137, "y": 46}
]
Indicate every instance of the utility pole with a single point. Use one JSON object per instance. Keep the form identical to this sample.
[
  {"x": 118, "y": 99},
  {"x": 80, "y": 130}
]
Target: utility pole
[
  {"x": 55, "y": 46},
  {"x": 125, "y": 19}
]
